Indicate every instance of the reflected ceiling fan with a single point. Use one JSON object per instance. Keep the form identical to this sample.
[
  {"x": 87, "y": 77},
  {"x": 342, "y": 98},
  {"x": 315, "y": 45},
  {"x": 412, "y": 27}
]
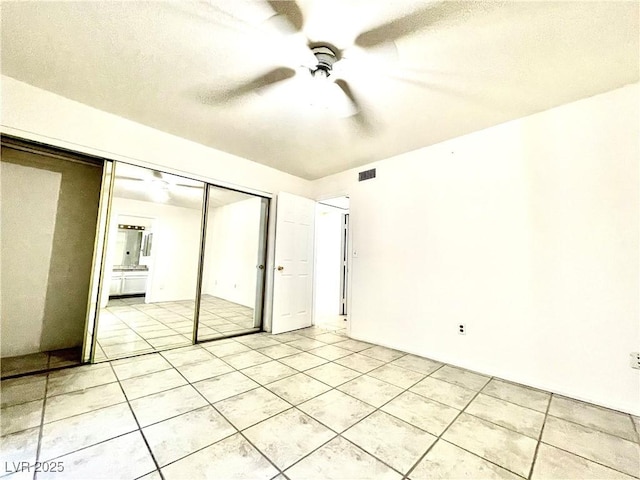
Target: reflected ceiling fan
[
  {"x": 160, "y": 187},
  {"x": 321, "y": 57}
]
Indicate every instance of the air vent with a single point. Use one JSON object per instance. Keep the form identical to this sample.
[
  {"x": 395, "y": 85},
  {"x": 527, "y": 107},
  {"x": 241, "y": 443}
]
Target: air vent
[{"x": 367, "y": 175}]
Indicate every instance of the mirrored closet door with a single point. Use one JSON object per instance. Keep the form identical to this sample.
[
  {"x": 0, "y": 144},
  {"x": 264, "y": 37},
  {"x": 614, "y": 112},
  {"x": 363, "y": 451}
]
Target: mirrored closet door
[
  {"x": 174, "y": 244},
  {"x": 147, "y": 299},
  {"x": 233, "y": 264}
]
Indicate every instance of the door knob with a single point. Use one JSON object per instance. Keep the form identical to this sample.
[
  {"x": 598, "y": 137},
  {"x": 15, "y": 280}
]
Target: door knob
[
  {"x": 280, "y": 268},
  {"x": 261, "y": 267}
]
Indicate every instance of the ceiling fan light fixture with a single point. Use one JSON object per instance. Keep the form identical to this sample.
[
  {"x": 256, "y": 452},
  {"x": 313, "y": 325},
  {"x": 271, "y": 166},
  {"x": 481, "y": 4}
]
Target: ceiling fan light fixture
[
  {"x": 325, "y": 58},
  {"x": 320, "y": 73},
  {"x": 157, "y": 189}
]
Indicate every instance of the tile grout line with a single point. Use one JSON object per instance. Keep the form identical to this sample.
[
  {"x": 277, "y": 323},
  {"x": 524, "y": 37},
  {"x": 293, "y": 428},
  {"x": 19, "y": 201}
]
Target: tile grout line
[
  {"x": 379, "y": 409},
  {"x": 326, "y": 362},
  {"x": 539, "y": 441},
  {"x": 544, "y": 424},
  {"x": 635, "y": 427},
  {"x": 339, "y": 434},
  {"x": 93, "y": 410},
  {"x": 438, "y": 437},
  {"x": 138, "y": 424},
  {"x": 153, "y": 348},
  {"x": 523, "y": 406},
  {"x": 407, "y": 389},
  {"x": 464, "y": 410},
  {"x": 485, "y": 420},
  {"x": 595, "y": 429},
  {"x": 588, "y": 459},
  {"x": 497, "y": 424},
  {"x": 86, "y": 447},
  {"x": 169, "y": 348},
  {"x": 40, "y": 432},
  {"x": 390, "y": 362},
  {"x": 40, "y": 372},
  {"x": 128, "y": 326},
  {"x": 361, "y": 374},
  {"x": 509, "y": 401},
  {"x": 238, "y": 431},
  {"x": 231, "y": 366},
  {"x": 281, "y": 471}
]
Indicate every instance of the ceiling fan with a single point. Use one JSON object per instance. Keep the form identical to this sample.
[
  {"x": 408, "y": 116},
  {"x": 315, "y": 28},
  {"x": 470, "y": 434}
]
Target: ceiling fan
[
  {"x": 156, "y": 183},
  {"x": 321, "y": 56}
]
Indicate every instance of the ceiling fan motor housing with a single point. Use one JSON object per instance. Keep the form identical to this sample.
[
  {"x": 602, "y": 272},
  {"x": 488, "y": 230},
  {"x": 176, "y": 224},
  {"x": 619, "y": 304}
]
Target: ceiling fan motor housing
[{"x": 326, "y": 58}]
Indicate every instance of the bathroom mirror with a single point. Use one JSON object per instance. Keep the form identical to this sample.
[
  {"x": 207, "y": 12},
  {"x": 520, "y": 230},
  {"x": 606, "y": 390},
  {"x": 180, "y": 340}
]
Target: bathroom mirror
[{"x": 129, "y": 244}]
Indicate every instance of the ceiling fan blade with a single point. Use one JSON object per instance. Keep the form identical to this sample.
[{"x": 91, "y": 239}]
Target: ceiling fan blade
[
  {"x": 346, "y": 89},
  {"x": 122, "y": 177},
  {"x": 268, "y": 79},
  {"x": 413, "y": 22},
  {"x": 359, "y": 117},
  {"x": 411, "y": 81},
  {"x": 465, "y": 94},
  {"x": 289, "y": 11}
]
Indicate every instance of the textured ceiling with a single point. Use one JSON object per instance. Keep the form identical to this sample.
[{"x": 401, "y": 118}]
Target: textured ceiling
[{"x": 455, "y": 68}]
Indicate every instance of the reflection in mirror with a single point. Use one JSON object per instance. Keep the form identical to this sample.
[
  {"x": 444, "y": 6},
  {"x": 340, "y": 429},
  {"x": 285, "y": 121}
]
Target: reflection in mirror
[
  {"x": 94, "y": 281},
  {"x": 151, "y": 267},
  {"x": 233, "y": 267}
]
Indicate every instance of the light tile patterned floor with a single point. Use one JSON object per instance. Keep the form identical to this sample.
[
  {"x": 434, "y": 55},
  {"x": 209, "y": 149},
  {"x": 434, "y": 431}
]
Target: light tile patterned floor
[
  {"x": 36, "y": 362},
  {"x": 311, "y": 404},
  {"x": 128, "y": 326}
]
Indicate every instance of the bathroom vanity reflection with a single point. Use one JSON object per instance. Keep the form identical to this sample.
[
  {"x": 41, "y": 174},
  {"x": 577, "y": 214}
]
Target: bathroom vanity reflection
[{"x": 130, "y": 274}]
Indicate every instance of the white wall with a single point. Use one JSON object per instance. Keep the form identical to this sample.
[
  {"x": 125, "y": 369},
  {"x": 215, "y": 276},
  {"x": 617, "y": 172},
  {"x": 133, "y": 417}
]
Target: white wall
[
  {"x": 28, "y": 218},
  {"x": 173, "y": 269},
  {"x": 38, "y": 115},
  {"x": 327, "y": 269},
  {"x": 527, "y": 232},
  {"x": 231, "y": 251}
]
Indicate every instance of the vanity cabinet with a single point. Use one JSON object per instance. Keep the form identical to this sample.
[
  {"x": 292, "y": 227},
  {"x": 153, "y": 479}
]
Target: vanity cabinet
[{"x": 128, "y": 282}]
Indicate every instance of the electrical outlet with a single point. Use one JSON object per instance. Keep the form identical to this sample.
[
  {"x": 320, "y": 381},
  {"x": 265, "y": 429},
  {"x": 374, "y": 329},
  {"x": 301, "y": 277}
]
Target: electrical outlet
[
  {"x": 635, "y": 360},
  {"x": 462, "y": 329}
]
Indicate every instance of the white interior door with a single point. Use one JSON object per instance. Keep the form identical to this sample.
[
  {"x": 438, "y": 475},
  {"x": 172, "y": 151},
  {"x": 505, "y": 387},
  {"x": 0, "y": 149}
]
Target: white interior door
[{"x": 293, "y": 276}]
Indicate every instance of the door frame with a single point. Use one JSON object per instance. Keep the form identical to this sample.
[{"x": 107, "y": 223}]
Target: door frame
[
  {"x": 346, "y": 245},
  {"x": 344, "y": 264}
]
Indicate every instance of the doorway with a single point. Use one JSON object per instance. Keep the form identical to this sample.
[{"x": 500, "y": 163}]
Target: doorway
[{"x": 331, "y": 272}]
